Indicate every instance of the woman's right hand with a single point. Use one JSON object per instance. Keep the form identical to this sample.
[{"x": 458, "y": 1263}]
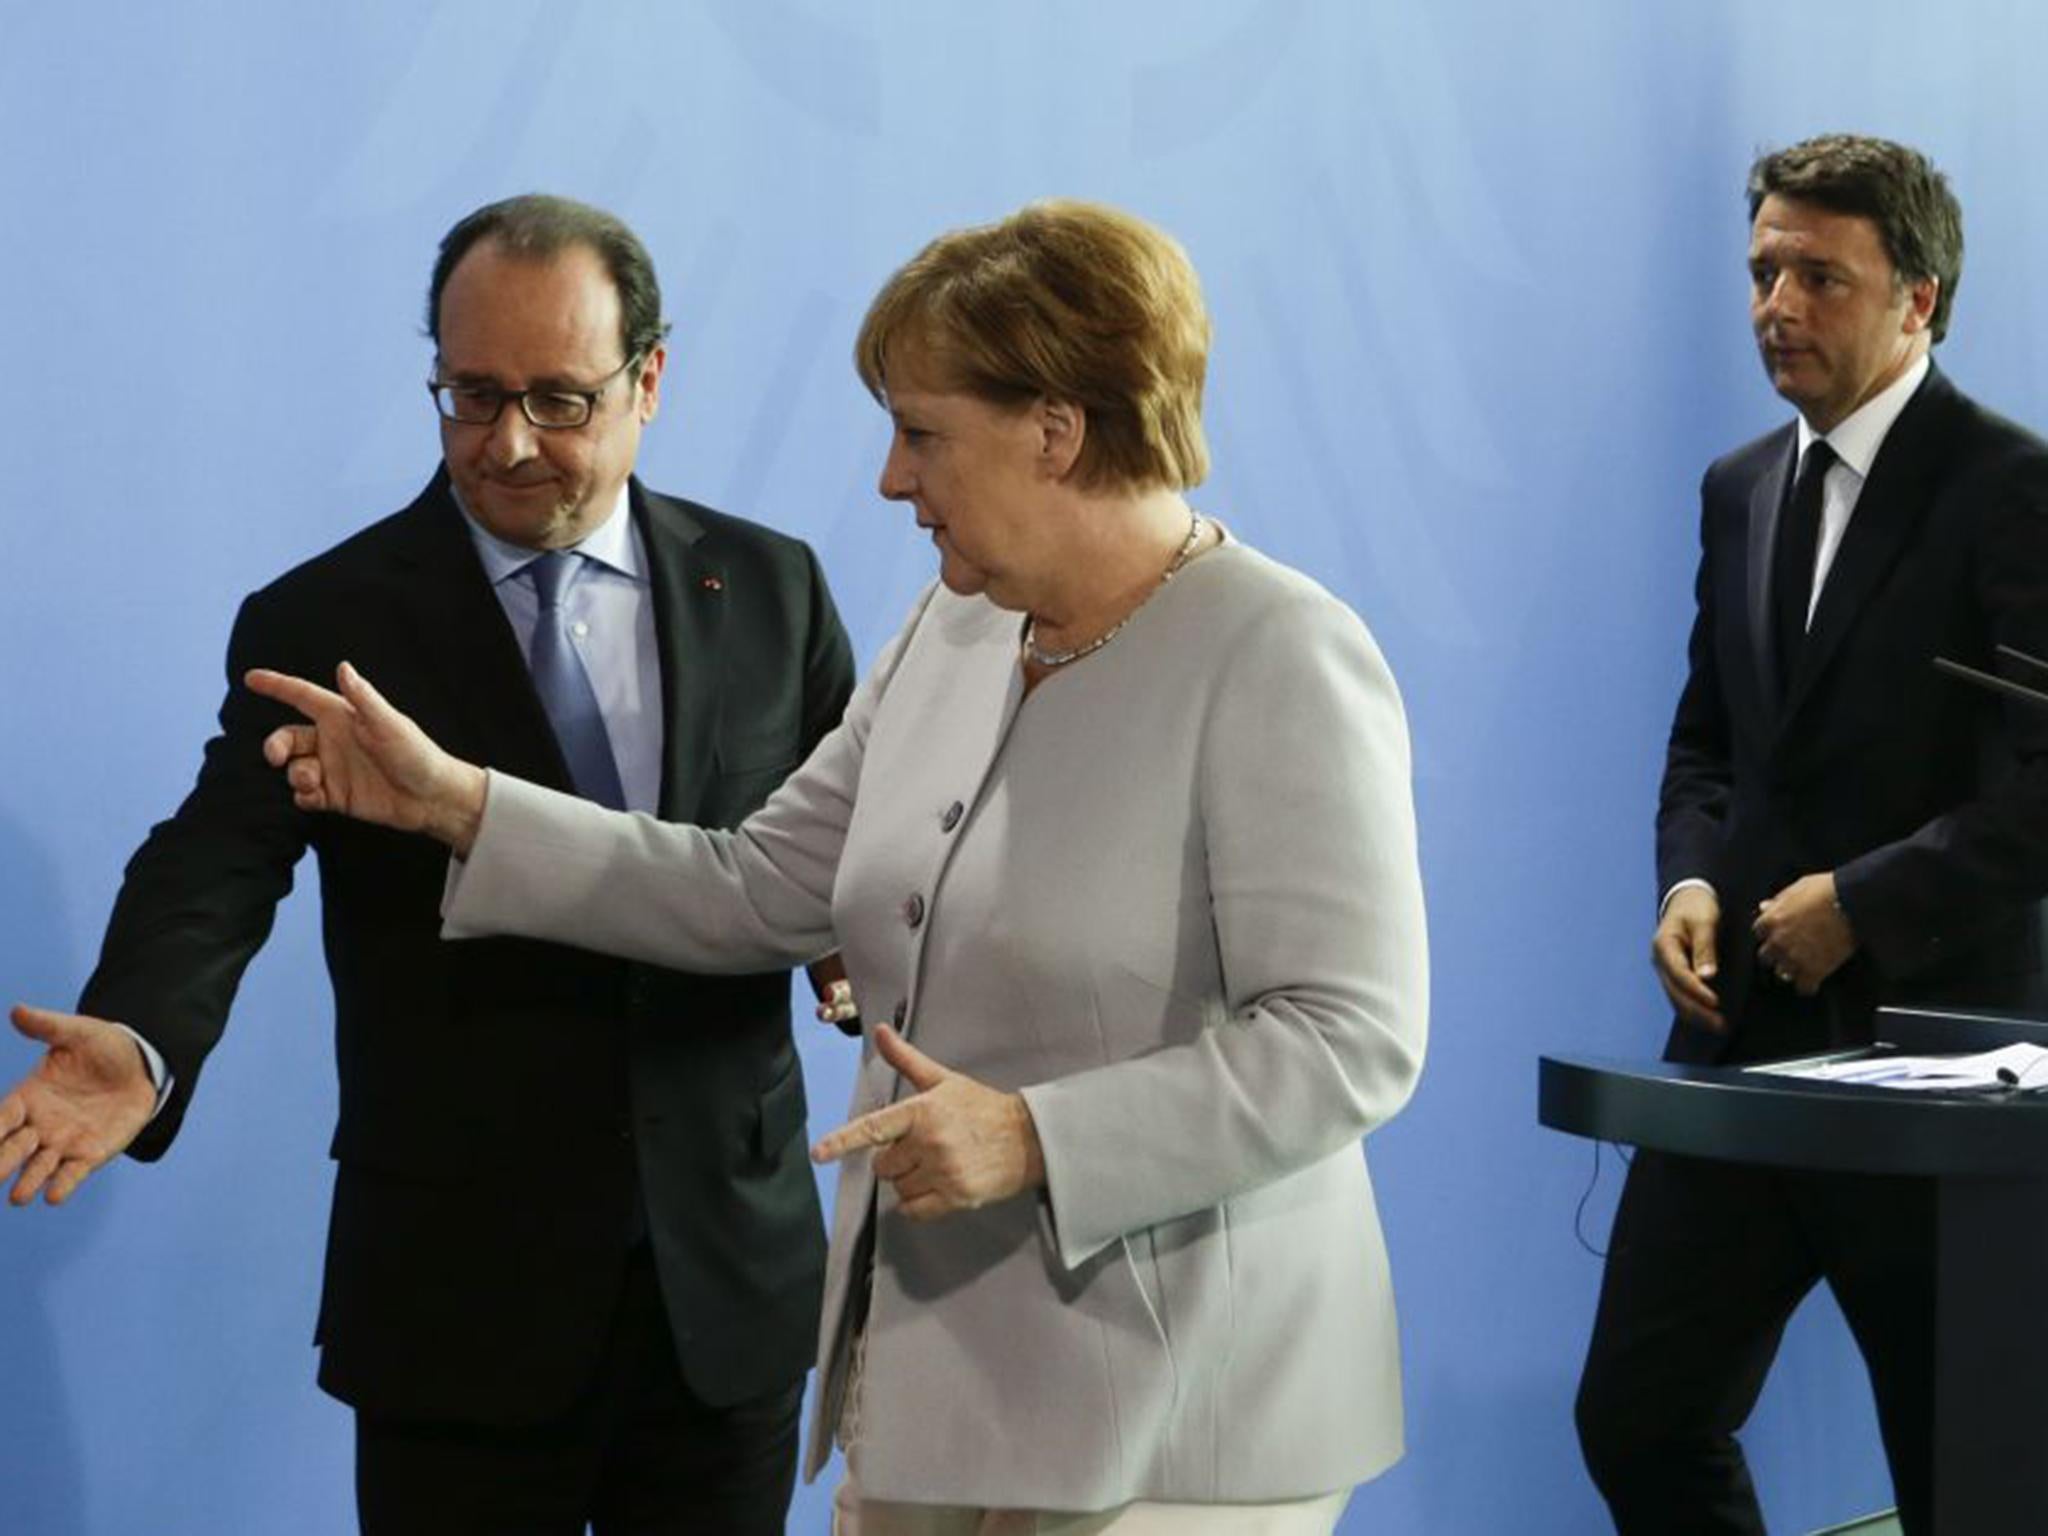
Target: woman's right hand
[{"x": 362, "y": 758}]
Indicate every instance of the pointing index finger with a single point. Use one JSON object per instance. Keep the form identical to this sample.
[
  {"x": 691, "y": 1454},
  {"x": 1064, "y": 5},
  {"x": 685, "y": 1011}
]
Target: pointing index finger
[
  {"x": 309, "y": 699},
  {"x": 877, "y": 1129}
]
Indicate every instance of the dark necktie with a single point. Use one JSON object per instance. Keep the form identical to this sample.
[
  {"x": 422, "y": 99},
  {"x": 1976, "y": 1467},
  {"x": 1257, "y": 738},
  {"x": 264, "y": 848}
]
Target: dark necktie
[
  {"x": 1798, "y": 547},
  {"x": 564, "y": 686}
]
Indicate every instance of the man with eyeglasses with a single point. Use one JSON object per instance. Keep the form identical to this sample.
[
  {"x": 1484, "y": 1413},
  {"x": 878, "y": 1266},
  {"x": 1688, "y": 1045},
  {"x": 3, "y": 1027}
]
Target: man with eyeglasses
[{"x": 575, "y": 1252}]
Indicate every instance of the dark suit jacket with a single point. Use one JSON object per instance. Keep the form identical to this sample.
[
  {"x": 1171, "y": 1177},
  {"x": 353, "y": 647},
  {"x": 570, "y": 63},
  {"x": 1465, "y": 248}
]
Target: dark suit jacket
[
  {"x": 504, "y": 1104},
  {"x": 1928, "y": 799}
]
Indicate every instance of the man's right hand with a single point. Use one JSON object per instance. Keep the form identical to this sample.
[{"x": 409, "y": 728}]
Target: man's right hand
[
  {"x": 86, "y": 1100},
  {"x": 1682, "y": 951}
]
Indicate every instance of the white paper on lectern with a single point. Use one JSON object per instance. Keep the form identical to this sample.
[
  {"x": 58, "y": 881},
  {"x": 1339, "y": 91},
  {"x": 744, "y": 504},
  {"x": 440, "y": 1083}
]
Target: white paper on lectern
[{"x": 2026, "y": 1064}]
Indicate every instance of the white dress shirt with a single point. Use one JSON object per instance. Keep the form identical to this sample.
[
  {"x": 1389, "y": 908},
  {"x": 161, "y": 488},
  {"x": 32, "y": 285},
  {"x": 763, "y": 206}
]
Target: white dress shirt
[{"x": 1855, "y": 439}]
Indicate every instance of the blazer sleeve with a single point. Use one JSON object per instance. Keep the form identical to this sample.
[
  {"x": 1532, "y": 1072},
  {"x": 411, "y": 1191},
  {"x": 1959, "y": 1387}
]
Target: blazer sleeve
[
  {"x": 551, "y": 866},
  {"x": 200, "y": 895},
  {"x": 1309, "y": 829},
  {"x": 1692, "y": 800},
  {"x": 1921, "y": 899},
  {"x": 828, "y": 660}
]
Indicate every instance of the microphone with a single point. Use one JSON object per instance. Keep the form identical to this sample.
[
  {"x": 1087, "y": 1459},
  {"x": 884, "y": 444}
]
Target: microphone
[
  {"x": 2016, "y": 1082},
  {"x": 2014, "y": 653},
  {"x": 1995, "y": 683}
]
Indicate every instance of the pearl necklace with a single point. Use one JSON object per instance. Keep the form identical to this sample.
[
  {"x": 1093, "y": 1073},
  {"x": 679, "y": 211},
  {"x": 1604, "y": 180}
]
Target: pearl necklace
[{"x": 1061, "y": 658}]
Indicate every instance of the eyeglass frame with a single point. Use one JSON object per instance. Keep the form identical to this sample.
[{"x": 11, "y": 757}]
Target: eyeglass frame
[{"x": 589, "y": 397}]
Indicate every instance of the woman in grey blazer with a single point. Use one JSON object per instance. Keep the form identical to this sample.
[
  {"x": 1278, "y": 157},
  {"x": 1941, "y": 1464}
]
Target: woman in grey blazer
[{"x": 1118, "y": 837}]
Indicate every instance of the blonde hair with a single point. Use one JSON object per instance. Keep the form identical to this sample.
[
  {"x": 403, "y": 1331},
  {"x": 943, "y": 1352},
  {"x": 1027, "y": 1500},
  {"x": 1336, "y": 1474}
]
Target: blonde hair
[{"x": 1063, "y": 300}]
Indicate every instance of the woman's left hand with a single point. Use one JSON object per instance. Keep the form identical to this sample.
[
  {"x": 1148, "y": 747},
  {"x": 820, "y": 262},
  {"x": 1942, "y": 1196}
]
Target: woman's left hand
[{"x": 953, "y": 1145}]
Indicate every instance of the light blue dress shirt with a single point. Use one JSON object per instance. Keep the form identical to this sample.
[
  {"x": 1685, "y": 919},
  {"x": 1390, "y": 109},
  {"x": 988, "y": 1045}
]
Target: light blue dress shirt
[{"x": 609, "y": 609}]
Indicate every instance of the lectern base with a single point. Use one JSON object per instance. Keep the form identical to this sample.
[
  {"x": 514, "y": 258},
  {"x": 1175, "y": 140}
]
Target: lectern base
[{"x": 1991, "y": 1393}]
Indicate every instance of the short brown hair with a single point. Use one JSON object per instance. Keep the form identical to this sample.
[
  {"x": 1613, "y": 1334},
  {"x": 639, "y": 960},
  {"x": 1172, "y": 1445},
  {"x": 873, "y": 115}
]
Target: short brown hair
[
  {"x": 1896, "y": 188},
  {"x": 1062, "y": 300}
]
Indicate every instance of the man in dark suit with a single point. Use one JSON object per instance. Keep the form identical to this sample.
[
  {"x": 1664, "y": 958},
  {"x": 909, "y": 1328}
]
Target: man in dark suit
[
  {"x": 1839, "y": 826},
  {"x": 575, "y": 1254}
]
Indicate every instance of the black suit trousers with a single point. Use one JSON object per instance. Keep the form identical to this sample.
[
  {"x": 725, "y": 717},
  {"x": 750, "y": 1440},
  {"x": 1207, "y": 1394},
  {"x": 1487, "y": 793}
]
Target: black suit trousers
[
  {"x": 638, "y": 1455},
  {"x": 1707, "y": 1262}
]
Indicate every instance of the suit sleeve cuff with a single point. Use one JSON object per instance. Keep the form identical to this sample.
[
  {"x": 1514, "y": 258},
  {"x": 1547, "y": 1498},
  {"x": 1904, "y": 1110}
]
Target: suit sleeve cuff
[
  {"x": 1682, "y": 885},
  {"x": 159, "y": 1070}
]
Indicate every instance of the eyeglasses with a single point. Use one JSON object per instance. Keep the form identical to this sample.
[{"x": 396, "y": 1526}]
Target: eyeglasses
[{"x": 478, "y": 405}]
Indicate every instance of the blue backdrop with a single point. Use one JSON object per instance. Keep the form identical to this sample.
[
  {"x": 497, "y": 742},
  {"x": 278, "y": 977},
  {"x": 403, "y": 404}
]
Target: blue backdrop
[{"x": 1477, "y": 278}]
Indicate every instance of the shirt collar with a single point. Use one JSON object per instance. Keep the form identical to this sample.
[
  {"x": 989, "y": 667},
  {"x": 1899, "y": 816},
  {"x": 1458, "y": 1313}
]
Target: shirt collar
[
  {"x": 610, "y": 544},
  {"x": 1857, "y": 437}
]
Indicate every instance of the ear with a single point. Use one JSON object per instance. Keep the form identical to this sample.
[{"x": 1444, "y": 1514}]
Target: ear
[
  {"x": 1062, "y": 429},
  {"x": 648, "y": 383},
  {"x": 1921, "y": 295}
]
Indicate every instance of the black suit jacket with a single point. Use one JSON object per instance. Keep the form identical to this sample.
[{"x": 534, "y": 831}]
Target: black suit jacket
[
  {"x": 1929, "y": 800},
  {"x": 505, "y": 1104}
]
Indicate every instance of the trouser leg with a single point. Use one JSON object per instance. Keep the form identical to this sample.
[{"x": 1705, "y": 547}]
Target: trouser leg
[
  {"x": 1706, "y": 1264},
  {"x": 1876, "y": 1237}
]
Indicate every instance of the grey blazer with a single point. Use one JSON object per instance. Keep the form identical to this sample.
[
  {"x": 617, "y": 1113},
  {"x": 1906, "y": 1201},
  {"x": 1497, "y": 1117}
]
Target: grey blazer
[{"x": 1172, "y": 897}]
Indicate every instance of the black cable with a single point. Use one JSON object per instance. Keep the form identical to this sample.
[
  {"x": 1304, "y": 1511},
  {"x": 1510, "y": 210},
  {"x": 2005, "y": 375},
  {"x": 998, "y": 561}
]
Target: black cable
[{"x": 1592, "y": 1183}]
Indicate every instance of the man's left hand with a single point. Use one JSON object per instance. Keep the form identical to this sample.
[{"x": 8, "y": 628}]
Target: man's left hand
[
  {"x": 836, "y": 1003},
  {"x": 1803, "y": 934},
  {"x": 953, "y": 1145}
]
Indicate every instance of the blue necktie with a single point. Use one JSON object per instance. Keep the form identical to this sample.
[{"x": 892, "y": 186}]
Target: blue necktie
[{"x": 564, "y": 686}]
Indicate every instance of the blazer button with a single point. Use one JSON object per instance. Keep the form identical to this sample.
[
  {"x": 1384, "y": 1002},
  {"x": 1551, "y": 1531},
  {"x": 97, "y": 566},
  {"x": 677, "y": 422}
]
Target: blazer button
[
  {"x": 952, "y": 817},
  {"x": 902, "y": 1012},
  {"x": 913, "y": 911}
]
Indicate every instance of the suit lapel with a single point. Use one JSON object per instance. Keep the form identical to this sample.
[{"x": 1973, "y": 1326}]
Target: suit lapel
[
  {"x": 464, "y": 642},
  {"x": 1766, "y": 506},
  {"x": 688, "y": 587},
  {"x": 1894, "y": 500}
]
